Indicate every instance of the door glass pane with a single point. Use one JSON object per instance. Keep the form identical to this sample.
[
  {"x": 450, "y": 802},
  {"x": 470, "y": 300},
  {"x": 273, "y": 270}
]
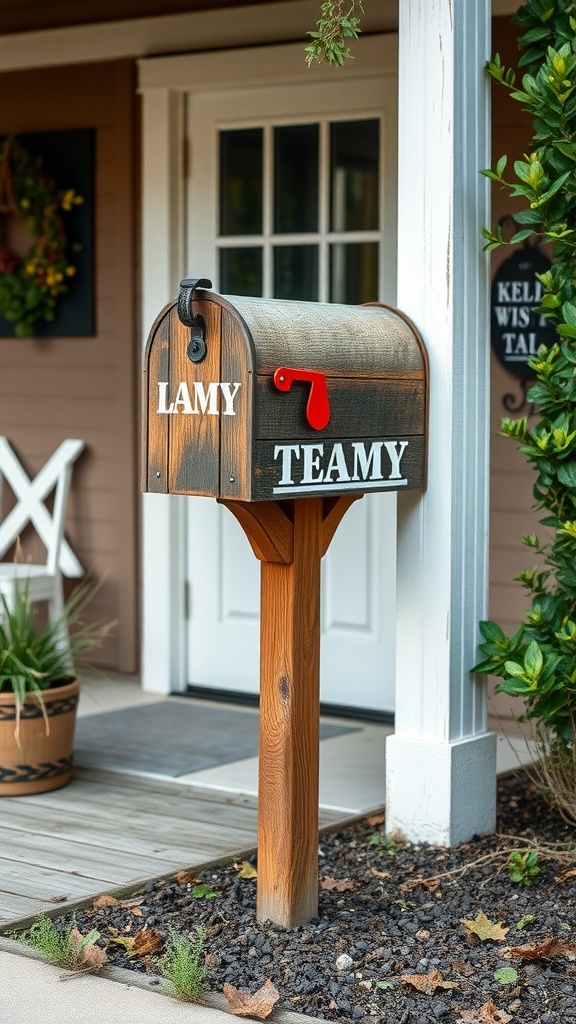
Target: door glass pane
[
  {"x": 241, "y": 182},
  {"x": 354, "y": 148},
  {"x": 241, "y": 271},
  {"x": 296, "y": 272},
  {"x": 296, "y": 178},
  {"x": 354, "y": 272}
]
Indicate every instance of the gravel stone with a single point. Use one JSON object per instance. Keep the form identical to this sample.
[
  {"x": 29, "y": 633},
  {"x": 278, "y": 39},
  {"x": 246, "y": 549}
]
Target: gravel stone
[{"x": 344, "y": 962}]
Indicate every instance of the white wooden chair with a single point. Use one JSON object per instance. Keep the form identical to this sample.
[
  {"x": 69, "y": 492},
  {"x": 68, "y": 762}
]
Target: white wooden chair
[{"x": 44, "y": 581}]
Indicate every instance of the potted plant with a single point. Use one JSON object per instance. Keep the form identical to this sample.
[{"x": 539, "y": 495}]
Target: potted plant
[{"x": 39, "y": 690}]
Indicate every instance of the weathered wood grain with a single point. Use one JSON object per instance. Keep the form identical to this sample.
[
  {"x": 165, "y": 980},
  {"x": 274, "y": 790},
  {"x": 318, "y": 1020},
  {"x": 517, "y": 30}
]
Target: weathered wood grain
[
  {"x": 154, "y": 427},
  {"x": 332, "y": 337},
  {"x": 289, "y": 728},
  {"x": 140, "y": 833},
  {"x": 268, "y": 528},
  {"x": 236, "y": 431},
  {"x": 194, "y": 454},
  {"x": 394, "y": 405},
  {"x": 84, "y": 858}
]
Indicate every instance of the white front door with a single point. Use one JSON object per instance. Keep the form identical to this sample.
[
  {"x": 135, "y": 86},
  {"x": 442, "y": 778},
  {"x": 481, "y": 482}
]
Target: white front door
[{"x": 291, "y": 194}]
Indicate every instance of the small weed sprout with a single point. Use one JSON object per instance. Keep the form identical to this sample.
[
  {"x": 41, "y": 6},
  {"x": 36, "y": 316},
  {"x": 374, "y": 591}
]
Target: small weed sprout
[
  {"x": 63, "y": 947},
  {"x": 182, "y": 966},
  {"x": 405, "y": 905},
  {"x": 384, "y": 844},
  {"x": 523, "y": 867}
]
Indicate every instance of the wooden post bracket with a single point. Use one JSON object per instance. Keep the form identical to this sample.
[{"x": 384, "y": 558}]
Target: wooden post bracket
[{"x": 289, "y": 538}]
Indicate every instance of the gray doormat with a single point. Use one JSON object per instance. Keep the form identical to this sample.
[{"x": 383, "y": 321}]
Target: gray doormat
[{"x": 172, "y": 739}]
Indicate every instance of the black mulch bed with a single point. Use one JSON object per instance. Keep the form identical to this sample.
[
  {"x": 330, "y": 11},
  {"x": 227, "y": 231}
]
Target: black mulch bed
[{"x": 348, "y": 964}]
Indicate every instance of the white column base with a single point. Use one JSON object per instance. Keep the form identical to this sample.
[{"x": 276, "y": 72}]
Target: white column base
[{"x": 441, "y": 793}]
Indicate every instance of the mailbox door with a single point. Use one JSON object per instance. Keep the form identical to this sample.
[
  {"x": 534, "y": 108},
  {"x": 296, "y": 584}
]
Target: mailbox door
[{"x": 199, "y": 408}]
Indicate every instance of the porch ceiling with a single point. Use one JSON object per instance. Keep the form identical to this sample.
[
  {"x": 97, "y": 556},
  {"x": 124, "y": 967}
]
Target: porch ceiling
[{"x": 34, "y": 15}]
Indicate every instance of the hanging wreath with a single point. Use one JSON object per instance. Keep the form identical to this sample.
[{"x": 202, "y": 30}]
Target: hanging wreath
[{"x": 30, "y": 286}]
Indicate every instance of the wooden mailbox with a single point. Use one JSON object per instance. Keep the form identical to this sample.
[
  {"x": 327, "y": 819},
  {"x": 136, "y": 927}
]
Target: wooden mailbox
[
  {"x": 263, "y": 399},
  {"x": 286, "y": 413}
]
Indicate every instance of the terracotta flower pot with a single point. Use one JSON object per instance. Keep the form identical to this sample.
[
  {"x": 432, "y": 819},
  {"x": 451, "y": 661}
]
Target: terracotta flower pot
[{"x": 41, "y": 762}]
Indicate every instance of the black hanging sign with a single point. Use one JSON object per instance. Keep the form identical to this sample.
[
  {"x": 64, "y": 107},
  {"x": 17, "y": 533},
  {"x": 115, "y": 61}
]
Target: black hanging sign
[{"x": 517, "y": 331}]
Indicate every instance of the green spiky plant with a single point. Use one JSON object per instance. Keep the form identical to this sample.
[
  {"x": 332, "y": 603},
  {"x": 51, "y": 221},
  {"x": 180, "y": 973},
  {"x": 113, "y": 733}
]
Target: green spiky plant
[
  {"x": 33, "y": 657},
  {"x": 538, "y": 663},
  {"x": 182, "y": 966}
]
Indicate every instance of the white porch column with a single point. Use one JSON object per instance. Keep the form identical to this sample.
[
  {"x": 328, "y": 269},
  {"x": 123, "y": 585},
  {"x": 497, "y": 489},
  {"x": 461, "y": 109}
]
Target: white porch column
[
  {"x": 441, "y": 761},
  {"x": 163, "y": 569}
]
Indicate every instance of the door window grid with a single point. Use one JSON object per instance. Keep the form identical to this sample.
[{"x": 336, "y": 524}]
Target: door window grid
[{"x": 324, "y": 239}]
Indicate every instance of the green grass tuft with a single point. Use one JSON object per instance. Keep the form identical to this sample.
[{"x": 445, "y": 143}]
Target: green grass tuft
[
  {"x": 55, "y": 945},
  {"x": 182, "y": 966}
]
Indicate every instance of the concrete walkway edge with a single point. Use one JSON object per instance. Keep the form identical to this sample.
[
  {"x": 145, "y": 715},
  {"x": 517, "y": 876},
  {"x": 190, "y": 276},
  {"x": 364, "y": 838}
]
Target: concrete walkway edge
[{"x": 35, "y": 992}]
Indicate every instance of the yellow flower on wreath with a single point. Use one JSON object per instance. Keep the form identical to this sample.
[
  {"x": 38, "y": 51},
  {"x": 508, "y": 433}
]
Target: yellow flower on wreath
[
  {"x": 70, "y": 199},
  {"x": 44, "y": 273}
]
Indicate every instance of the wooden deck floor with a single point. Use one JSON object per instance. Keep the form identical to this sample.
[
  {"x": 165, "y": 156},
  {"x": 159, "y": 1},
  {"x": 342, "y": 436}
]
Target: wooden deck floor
[{"x": 108, "y": 830}]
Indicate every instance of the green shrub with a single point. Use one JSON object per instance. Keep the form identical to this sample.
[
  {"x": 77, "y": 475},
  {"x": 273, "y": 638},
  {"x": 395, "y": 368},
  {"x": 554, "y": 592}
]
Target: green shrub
[{"x": 538, "y": 663}]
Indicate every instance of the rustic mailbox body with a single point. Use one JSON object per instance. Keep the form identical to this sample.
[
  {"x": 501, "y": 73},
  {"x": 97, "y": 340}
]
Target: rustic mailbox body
[{"x": 265, "y": 399}]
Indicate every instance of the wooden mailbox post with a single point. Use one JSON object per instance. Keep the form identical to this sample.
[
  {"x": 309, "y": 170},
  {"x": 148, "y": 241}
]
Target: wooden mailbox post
[{"x": 285, "y": 412}]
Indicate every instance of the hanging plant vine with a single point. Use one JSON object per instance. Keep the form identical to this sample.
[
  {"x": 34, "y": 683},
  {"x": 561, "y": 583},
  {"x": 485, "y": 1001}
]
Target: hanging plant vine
[
  {"x": 338, "y": 22},
  {"x": 31, "y": 285}
]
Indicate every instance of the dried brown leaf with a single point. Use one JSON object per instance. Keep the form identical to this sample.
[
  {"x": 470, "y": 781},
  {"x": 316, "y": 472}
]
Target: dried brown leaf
[
  {"x": 259, "y": 1005},
  {"x": 427, "y": 983},
  {"x": 336, "y": 884},
  {"x": 487, "y": 1014},
  {"x": 111, "y": 901},
  {"x": 380, "y": 874},
  {"x": 143, "y": 943},
  {"x": 104, "y": 901},
  {"x": 58, "y": 899},
  {"x": 88, "y": 957},
  {"x": 484, "y": 928},
  {"x": 375, "y": 819},
  {"x": 147, "y": 941},
  {"x": 548, "y": 949},
  {"x": 564, "y": 876},
  {"x": 427, "y": 883},
  {"x": 186, "y": 878},
  {"x": 92, "y": 958}
]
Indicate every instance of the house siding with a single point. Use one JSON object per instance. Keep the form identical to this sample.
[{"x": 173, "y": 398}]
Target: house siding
[{"x": 84, "y": 387}]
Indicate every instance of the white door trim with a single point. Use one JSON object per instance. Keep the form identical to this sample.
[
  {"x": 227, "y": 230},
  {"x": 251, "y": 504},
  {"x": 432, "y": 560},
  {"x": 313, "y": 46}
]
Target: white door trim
[{"x": 163, "y": 82}]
